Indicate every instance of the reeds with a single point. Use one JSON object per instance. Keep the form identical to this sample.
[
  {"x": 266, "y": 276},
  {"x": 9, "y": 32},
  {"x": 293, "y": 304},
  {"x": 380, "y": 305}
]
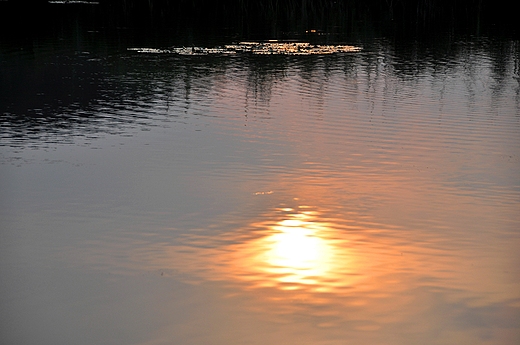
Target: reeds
[
  {"x": 299, "y": 15},
  {"x": 413, "y": 12}
]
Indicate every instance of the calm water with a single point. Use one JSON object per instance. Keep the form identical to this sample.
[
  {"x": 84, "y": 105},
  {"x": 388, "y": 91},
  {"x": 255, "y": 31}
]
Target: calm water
[{"x": 370, "y": 197}]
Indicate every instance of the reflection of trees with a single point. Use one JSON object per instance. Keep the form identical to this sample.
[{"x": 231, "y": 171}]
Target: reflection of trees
[
  {"x": 262, "y": 74},
  {"x": 504, "y": 58},
  {"x": 474, "y": 59},
  {"x": 37, "y": 90},
  {"x": 59, "y": 93}
]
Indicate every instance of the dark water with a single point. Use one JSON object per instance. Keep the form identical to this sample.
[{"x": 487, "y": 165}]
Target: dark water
[{"x": 369, "y": 197}]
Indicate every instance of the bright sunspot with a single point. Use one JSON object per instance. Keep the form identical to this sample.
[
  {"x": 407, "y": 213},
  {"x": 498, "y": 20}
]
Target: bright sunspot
[{"x": 296, "y": 253}]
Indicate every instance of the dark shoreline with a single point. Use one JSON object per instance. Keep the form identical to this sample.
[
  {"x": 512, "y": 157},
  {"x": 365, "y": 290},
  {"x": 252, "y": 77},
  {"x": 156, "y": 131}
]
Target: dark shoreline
[{"x": 248, "y": 18}]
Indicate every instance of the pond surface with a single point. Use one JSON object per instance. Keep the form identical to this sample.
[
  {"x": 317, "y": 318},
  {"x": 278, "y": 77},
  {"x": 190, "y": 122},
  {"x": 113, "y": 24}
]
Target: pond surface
[{"x": 361, "y": 197}]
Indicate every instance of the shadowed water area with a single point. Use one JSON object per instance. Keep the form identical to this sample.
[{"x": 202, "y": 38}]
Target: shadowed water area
[{"x": 366, "y": 196}]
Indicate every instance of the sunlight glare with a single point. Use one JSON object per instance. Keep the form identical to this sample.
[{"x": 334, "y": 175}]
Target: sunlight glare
[{"x": 296, "y": 253}]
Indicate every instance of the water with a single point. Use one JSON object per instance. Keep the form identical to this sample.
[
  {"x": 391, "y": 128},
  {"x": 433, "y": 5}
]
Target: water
[{"x": 368, "y": 197}]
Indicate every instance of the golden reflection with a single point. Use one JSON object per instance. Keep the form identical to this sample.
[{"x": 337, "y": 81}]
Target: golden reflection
[
  {"x": 295, "y": 252},
  {"x": 289, "y": 249},
  {"x": 339, "y": 268},
  {"x": 271, "y": 47}
]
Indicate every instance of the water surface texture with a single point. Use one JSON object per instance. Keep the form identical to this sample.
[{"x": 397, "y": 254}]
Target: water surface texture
[{"x": 365, "y": 197}]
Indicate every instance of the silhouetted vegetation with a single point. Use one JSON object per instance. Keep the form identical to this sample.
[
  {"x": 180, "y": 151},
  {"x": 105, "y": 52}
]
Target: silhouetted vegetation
[{"x": 272, "y": 16}]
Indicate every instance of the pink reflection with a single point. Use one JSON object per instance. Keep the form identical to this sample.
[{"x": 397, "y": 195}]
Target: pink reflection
[
  {"x": 295, "y": 252},
  {"x": 290, "y": 249},
  {"x": 342, "y": 270}
]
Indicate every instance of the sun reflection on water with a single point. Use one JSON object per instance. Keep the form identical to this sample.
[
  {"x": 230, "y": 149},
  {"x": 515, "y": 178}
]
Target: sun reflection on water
[
  {"x": 295, "y": 252},
  {"x": 292, "y": 249},
  {"x": 326, "y": 257},
  {"x": 287, "y": 248},
  {"x": 337, "y": 268}
]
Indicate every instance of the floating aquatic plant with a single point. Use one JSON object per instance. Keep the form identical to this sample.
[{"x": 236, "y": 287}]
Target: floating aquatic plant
[
  {"x": 257, "y": 48},
  {"x": 71, "y": 2}
]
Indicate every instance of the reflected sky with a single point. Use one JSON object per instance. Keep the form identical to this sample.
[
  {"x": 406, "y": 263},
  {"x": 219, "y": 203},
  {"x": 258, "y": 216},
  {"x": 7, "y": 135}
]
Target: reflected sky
[
  {"x": 297, "y": 251},
  {"x": 303, "y": 249},
  {"x": 371, "y": 196},
  {"x": 337, "y": 271}
]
